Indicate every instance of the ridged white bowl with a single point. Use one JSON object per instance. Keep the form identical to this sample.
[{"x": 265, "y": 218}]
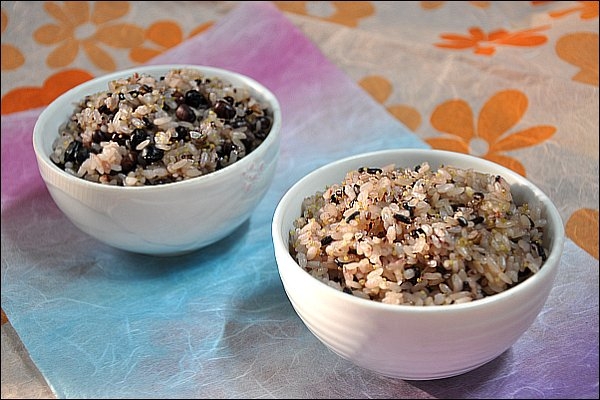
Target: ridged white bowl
[
  {"x": 414, "y": 342},
  {"x": 166, "y": 219}
]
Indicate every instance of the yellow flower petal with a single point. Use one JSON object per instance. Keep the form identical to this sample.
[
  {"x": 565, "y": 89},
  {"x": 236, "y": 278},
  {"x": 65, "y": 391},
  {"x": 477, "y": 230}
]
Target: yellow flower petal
[
  {"x": 525, "y": 138},
  {"x": 454, "y": 117},
  {"x": 105, "y": 11},
  {"x": 500, "y": 113},
  {"x": 377, "y": 86}
]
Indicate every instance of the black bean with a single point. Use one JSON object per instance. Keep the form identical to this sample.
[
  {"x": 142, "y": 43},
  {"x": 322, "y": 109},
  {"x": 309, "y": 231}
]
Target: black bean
[
  {"x": 129, "y": 162},
  {"x": 224, "y": 110},
  {"x": 147, "y": 122},
  {"x": 229, "y": 99},
  {"x": 99, "y": 136},
  {"x": 185, "y": 113},
  {"x": 238, "y": 123},
  {"x": 103, "y": 109},
  {"x": 478, "y": 196},
  {"x": 181, "y": 133},
  {"x": 477, "y": 220},
  {"x": 119, "y": 138},
  {"x": 462, "y": 221},
  {"x": 263, "y": 125},
  {"x": 137, "y": 137},
  {"x": 522, "y": 275},
  {"x": 226, "y": 149},
  {"x": 326, "y": 240},
  {"x": 150, "y": 154},
  {"x": 336, "y": 196},
  {"x": 374, "y": 171},
  {"x": 73, "y": 150},
  {"x": 134, "y": 93},
  {"x": 121, "y": 96},
  {"x": 194, "y": 98},
  {"x": 347, "y": 290},
  {"x": 402, "y": 218},
  {"x": 417, "y": 232}
]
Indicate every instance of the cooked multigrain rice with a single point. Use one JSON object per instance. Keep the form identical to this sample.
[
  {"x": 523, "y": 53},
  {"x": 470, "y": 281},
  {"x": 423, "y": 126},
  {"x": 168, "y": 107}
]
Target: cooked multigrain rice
[
  {"x": 146, "y": 130},
  {"x": 418, "y": 236}
]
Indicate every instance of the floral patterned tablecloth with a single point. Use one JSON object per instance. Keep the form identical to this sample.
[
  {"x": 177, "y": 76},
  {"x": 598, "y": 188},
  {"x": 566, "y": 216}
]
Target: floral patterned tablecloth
[{"x": 513, "y": 82}]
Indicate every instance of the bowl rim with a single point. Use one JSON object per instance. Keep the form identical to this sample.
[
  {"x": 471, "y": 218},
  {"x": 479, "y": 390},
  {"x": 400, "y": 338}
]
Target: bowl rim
[
  {"x": 269, "y": 97},
  {"x": 551, "y": 214}
]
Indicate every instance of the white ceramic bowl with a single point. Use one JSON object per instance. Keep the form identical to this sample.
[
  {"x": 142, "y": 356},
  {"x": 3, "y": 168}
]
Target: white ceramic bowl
[
  {"x": 405, "y": 341},
  {"x": 167, "y": 219}
]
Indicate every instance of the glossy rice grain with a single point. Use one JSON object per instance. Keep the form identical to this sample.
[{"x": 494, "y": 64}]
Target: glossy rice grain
[
  {"x": 418, "y": 236},
  {"x": 146, "y": 130}
]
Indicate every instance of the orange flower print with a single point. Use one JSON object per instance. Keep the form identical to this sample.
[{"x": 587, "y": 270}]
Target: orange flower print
[
  {"x": 340, "y": 12},
  {"x": 12, "y": 58},
  {"x": 25, "y": 98},
  {"x": 485, "y": 44},
  {"x": 79, "y": 26},
  {"x": 380, "y": 89},
  {"x": 581, "y": 50},
  {"x": 489, "y": 139},
  {"x": 163, "y": 35},
  {"x": 582, "y": 228},
  {"x": 431, "y": 5},
  {"x": 586, "y": 10}
]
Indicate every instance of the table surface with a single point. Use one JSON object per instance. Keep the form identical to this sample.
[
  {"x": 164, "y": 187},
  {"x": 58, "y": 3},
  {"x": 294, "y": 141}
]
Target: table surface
[{"x": 512, "y": 82}]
